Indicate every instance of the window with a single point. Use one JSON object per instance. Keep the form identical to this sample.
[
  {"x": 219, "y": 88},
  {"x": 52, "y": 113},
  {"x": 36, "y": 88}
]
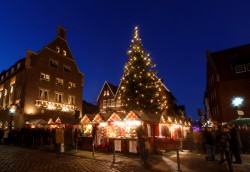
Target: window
[
  {"x": 240, "y": 68},
  {"x": 53, "y": 63},
  {"x": 72, "y": 85},
  {"x": 118, "y": 103},
  {"x": 107, "y": 92},
  {"x": 5, "y": 97},
  {"x": 104, "y": 94},
  {"x": 72, "y": 100},
  {"x": 18, "y": 93},
  {"x": 44, "y": 77},
  {"x": 66, "y": 68},
  {"x": 59, "y": 81},
  {"x": 11, "y": 94},
  {"x": 7, "y": 73},
  {"x": 18, "y": 65},
  {"x": 43, "y": 94},
  {"x": 12, "y": 70},
  {"x": 104, "y": 104},
  {"x": 248, "y": 66},
  {"x": 2, "y": 77},
  {"x": 57, "y": 49},
  {"x": 112, "y": 102},
  {"x": 59, "y": 97},
  {"x": 64, "y": 53},
  {"x": 108, "y": 103}
]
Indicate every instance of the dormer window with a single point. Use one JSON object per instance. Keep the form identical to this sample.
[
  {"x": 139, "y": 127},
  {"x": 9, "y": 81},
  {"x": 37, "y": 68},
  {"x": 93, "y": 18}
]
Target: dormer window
[
  {"x": 64, "y": 53},
  {"x": 57, "y": 49},
  {"x": 18, "y": 65},
  {"x": 12, "y": 70}
]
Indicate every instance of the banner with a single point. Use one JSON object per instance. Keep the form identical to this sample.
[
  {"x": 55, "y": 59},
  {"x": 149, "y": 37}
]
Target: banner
[
  {"x": 118, "y": 146},
  {"x": 132, "y": 146}
]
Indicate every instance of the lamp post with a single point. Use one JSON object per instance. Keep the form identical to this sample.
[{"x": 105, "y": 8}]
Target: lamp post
[
  {"x": 12, "y": 112},
  {"x": 237, "y": 102}
]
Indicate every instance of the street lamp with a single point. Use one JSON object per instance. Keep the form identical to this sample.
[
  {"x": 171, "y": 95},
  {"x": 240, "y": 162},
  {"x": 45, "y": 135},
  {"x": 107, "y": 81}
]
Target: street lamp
[
  {"x": 237, "y": 102},
  {"x": 12, "y": 111}
]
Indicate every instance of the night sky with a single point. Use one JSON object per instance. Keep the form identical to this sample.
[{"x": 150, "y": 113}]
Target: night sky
[{"x": 175, "y": 33}]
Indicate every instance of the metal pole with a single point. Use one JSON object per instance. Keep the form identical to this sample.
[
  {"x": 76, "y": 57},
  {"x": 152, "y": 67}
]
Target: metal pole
[
  {"x": 76, "y": 143},
  {"x": 114, "y": 153},
  {"x": 93, "y": 154},
  {"x": 178, "y": 158}
]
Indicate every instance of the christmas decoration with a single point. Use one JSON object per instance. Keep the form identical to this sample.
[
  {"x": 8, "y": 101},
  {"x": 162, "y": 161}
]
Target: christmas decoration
[{"x": 140, "y": 88}]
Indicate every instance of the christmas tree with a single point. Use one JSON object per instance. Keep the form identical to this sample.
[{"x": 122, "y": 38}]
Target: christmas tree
[{"x": 140, "y": 88}]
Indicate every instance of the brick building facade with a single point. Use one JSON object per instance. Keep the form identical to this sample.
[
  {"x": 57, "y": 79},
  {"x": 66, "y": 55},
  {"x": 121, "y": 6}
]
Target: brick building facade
[
  {"x": 228, "y": 76},
  {"x": 45, "y": 84}
]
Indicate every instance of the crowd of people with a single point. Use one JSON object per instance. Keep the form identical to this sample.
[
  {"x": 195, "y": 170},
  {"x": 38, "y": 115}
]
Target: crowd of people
[
  {"x": 28, "y": 137},
  {"x": 228, "y": 141}
]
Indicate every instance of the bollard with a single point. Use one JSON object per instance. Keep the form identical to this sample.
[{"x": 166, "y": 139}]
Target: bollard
[
  {"x": 93, "y": 153},
  {"x": 114, "y": 153},
  {"x": 76, "y": 143},
  {"x": 178, "y": 158}
]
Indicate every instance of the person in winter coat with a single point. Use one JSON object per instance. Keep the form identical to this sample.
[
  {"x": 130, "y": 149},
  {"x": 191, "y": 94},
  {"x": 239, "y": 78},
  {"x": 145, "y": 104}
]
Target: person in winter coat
[
  {"x": 209, "y": 140},
  {"x": 235, "y": 143}
]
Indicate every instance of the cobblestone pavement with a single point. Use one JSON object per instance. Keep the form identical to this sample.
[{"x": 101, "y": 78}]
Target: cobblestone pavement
[{"x": 18, "y": 159}]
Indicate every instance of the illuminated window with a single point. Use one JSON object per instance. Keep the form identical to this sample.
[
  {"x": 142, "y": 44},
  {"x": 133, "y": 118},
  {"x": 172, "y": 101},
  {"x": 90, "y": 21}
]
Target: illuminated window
[
  {"x": 71, "y": 100},
  {"x": 59, "y": 81},
  {"x": 64, "y": 53},
  {"x": 43, "y": 94},
  {"x": 118, "y": 103},
  {"x": 72, "y": 85},
  {"x": 108, "y": 103},
  {"x": 240, "y": 68},
  {"x": 107, "y": 92},
  {"x": 53, "y": 63},
  {"x": 66, "y": 68},
  {"x": 57, "y": 49},
  {"x": 44, "y": 77},
  {"x": 112, "y": 102},
  {"x": 104, "y": 93},
  {"x": 59, "y": 97},
  {"x": 104, "y": 103},
  {"x": 11, "y": 94}
]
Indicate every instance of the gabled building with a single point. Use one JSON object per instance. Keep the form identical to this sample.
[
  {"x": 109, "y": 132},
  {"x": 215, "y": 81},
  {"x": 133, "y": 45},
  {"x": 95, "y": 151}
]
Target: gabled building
[
  {"x": 45, "y": 84},
  {"x": 106, "y": 101},
  {"x": 228, "y": 76},
  {"x": 109, "y": 103}
]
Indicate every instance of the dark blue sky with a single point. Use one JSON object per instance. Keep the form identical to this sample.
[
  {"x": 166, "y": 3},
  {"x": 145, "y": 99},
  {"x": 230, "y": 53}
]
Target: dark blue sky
[{"x": 175, "y": 33}]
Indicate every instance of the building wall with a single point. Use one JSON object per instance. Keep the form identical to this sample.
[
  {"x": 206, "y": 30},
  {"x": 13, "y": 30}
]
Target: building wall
[
  {"x": 224, "y": 83},
  {"x": 28, "y": 84}
]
